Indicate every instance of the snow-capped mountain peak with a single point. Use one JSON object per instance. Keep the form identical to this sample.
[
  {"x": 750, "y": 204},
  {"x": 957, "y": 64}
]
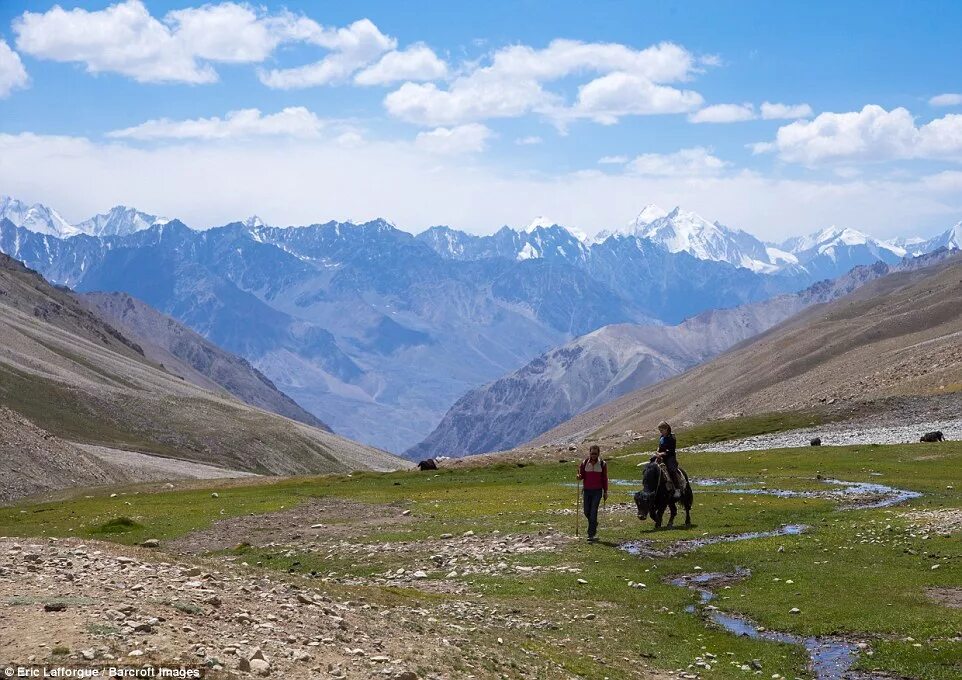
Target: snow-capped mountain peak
[
  {"x": 37, "y": 217},
  {"x": 120, "y": 220},
  {"x": 648, "y": 214},
  {"x": 539, "y": 222},
  {"x": 636, "y": 226},
  {"x": 951, "y": 239},
  {"x": 253, "y": 222},
  {"x": 834, "y": 237},
  {"x": 954, "y": 241},
  {"x": 686, "y": 231}
]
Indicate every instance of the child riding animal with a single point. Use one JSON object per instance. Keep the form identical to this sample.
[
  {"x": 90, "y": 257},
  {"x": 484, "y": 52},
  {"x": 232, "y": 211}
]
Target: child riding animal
[{"x": 666, "y": 456}]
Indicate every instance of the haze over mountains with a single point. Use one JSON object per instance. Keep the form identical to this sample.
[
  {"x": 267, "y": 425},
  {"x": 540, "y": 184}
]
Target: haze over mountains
[
  {"x": 183, "y": 352},
  {"x": 80, "y": 381},
  {"x": 601, "y": 366},
  {"x": 894, "y": 338},
  {"x": 378, "y": 332}
]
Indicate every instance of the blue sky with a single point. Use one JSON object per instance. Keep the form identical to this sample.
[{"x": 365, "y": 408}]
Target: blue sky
[{"x": 480, "y": 114}]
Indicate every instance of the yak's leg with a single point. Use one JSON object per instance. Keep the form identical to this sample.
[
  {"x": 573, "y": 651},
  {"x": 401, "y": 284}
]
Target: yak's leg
[
  {"x": 657, "y": 517},
  {"x": 674, "y": 511},
  {"x": 688, "y": 514}
]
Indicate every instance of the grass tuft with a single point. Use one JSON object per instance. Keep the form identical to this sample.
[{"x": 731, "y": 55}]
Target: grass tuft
[{"x": 118, "y": 525}]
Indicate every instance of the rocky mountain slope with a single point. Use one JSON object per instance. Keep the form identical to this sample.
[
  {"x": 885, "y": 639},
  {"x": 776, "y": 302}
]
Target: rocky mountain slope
[
  {"x": 183, "y": 352},
  {"x": 366, "y": 326},
  {"x": 605, "y": 364},
  {"x": 378, "y": 332},
  {"x": 80, "y": 379},
  {"x": 894, "y": 338},
  {"x": 33, "y": 461}
]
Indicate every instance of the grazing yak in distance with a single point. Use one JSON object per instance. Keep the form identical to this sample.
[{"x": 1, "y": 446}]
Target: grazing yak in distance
[
  {"x": 932, "y": 437},
  {"x": 817, "y": 441},
  {"x": 429, "y": 464}
]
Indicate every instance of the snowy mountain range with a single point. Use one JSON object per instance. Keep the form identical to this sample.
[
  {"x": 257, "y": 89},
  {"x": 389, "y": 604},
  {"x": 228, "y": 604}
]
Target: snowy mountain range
[
  {"x": 378, "y": 332},
  {"x": 827, "y": 253},
  {"x": 823, "y": 254},
  {"x": 118, "y": 221}
]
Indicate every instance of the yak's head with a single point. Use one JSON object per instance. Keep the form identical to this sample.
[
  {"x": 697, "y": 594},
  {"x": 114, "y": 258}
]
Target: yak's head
[{"x": 644, "y": 500}]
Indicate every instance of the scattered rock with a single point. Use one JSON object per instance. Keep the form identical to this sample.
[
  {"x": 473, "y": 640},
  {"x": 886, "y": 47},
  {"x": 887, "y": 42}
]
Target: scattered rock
[{"x": 260, "y": 667}]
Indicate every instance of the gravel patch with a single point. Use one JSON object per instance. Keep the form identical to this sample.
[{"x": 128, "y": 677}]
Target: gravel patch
[
  {"x": 839, "y": 434},
  {"x": 143, "y": 467}
]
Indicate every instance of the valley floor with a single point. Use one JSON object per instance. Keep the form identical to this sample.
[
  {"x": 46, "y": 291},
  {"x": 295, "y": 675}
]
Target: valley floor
[{"x": 476, "y": 572}]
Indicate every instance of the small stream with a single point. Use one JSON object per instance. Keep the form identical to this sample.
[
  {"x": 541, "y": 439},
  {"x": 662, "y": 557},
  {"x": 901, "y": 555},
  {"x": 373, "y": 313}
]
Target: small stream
[
  {"x": 830, "y": 657},
  {"x": 868, "y": 494},
  {"x": 678, "y": 547},
  {"x": 864, "y": 495}
]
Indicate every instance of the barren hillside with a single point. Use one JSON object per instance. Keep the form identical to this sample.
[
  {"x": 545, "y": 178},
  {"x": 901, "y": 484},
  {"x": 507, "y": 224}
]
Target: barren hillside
[
  {"x": 898, "y": 336},
  {"x": 180, "y": 350},
  {"x": 77, "y": 377}
]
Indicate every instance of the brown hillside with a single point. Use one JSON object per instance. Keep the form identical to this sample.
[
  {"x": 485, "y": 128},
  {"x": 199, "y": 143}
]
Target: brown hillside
[
  {"x": 77, "y": 377},
  {"x": 898, "y": 336}
]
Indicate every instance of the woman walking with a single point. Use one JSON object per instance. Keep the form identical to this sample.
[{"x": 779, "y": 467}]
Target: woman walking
[{"x": 593, "y": 472}]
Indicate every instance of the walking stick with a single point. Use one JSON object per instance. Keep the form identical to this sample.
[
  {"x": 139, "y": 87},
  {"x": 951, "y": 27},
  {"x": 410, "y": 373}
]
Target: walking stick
[{"x": 578, "y": 509}]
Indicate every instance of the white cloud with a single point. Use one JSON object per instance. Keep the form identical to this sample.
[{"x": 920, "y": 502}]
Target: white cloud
[
  {"x": 416, "y": 63},
  {"x": 735, "y": 113},
  {"x": 661, "y": 63},
  {"x": 469, "y": 138},
  {"x": 785, "y": 111},
  {"x": 12, "y": 73},
  {"x": 631, "y": 82},
  {"x": 531, "y": 140},
  {"x": 613, "y": 160},
  {"x": 205, "y": 184},
  {"x": 295, "y": 121},
  {"x": 723, "y": 113},
  {"x": 473, "y": 98},
  {"x": 351, "y": 49},
  {"x": 872, "y": 134},
  {"x": 692, "y": 162},
  {"x": 608, "y": 98},
  {"x": 124, "y": 38},
  {"x": 947, "y": 99},
  {"x": 233, "y": 33}
]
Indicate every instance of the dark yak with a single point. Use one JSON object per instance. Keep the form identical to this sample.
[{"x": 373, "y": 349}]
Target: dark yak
[
  {"x": 429, "y": 464},
  {"x": 817, "y": 441},
  {"x": 654, "y": 496},
  {"x": 932, "y": 437}
]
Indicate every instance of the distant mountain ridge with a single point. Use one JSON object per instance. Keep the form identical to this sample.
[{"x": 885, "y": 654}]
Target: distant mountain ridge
[
  {"x": 676, "y": 230},
  {"x": 376, "y": 331},
  {"x": 183, "y": 352},
  {"x": 599, "y": 367},
  {"x": 894, "y": 337},
  {"x": 68, "y": 371}
]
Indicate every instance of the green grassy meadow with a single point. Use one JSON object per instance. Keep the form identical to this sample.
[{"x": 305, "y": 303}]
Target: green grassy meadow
[{"x": 860, "y": 573}]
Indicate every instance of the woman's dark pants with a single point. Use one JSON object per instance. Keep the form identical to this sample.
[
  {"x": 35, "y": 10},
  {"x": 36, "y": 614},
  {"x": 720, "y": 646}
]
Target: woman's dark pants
[{"x": 592, "y": 501}]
